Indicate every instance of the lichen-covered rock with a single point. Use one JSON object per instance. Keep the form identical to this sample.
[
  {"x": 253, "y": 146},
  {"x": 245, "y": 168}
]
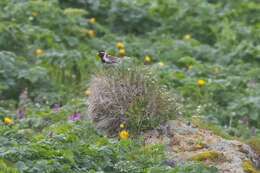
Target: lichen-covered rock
[{"x": 187, "y": 142}]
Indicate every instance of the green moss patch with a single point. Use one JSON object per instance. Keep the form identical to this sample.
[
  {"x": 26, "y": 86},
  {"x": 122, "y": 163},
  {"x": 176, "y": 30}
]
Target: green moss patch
[
  {"x": 248, "y": 167},
  {"x": 211, "y": 155}
]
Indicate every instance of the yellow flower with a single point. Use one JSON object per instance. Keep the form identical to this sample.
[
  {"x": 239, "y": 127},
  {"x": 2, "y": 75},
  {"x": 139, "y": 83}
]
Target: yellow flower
[
  {"x": 201, "y": 82},
  {"x": 120, "y": 44},
  {"x": 187, "y": 36},
  {"x": 147, "y": 58},
  {"x": 92, "y": 20},
  {"x": 34, "y": 14},
  {"x": 87, "y": 92},
  {"x": 198, "y": 146},
  {"x": 216, "y": 69},
  {"x": 8, "y": 120},
  {"x": 91, "y": 33},
  {"x": 38, "y": 52},
  {"x": 161, "y": 64},
  {"x": 190, "y": 67},
  {"x": 123, "y": 134},
  {"x": 122, "y": 125},
  {"x": 122, "y": 51}
]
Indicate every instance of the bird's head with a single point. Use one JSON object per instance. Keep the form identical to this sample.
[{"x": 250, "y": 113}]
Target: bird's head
[{"x": 101, "y": 53}]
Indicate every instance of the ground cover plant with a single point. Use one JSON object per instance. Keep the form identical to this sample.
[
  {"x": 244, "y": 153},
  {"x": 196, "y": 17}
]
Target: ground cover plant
[{"x": 204, "y": 53}]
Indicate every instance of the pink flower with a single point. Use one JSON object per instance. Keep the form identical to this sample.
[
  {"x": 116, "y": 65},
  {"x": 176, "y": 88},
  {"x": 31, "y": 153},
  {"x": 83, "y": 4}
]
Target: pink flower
[
  {"x": 75, "y": 116},
  {"x": 20, "y": 113},
  {"x": 37, "y": 99},
  {"x": 56, "y": 107},
  {"x": 245, "y": 120},
  {"x": 253, "y": 82},
  {"x": 50, "y": 135},
  {"x": 253, "y": 131}
]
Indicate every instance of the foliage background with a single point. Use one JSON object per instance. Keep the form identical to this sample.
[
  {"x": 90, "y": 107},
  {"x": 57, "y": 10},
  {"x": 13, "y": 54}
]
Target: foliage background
[{"x": 223, "y": 35}]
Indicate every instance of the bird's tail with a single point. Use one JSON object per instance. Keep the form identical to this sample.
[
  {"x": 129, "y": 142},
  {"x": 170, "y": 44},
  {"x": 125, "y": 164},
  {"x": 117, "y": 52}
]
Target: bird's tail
[{"x": 126, "y": 57}]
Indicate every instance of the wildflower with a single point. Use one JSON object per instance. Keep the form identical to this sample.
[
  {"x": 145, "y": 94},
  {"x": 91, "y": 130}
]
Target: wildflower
[
  {"x": 122, "y": 51},
  {"x": 198, "y": 146},
  {"x": 37, "y": 99},
  {"x": 31, "y": 18},
  {"x": 34, "y": 14},
  {"x": 147, "y": 59},
  {"x": 123, "y": 134},
  {"x": 122, "y": 125},
  {"x": 50, "y": 135},
  {"x": 38, "y": 52},
  {"x": 187, "y": 36},
  {"x": 75, "y": 116},
  {"x": 253, "y": 131},
  {"x": 45, "y": 124},
  {"x": 7, "y": 120},
  {"x": 87, "y": 92},
  {"x": 92, "y": 20},
  {"x": 216, "y": 69},
  {"x": 161, "y": 64},
  {"x": 91, "y": 33},
  {"x": 56, "y": 107},
  {"x": 198, "y": 110},
  {"x": 120, "y": 44},
  {"x": 20, "y": 113},
  {"x": 252, "y": 82},
  {"x": 23, "y": 96},
  {"x": 201, "y": 82},
  {"x": 245, "y": 120},
  {"x": 190, "y": 67}
]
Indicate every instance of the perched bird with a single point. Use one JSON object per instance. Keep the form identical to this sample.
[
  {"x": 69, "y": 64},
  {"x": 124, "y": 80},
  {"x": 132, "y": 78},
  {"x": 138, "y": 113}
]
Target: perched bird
[{"x": 108, "y": 59}]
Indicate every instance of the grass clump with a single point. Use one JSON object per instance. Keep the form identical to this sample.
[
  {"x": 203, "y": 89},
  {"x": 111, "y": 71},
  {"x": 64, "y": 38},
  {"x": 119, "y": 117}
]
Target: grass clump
[{"x": 130, "y": 95}]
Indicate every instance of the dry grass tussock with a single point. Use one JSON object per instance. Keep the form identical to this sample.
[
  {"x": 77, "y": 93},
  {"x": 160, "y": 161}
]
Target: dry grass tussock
[{"x": 130, "y": 95}]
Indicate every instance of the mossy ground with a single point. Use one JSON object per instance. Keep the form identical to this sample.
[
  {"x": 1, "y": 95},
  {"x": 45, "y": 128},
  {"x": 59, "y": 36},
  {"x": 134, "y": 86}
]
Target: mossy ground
[
  {"x": 211, "y": 155},
  {"x": 248, "y": 167}
]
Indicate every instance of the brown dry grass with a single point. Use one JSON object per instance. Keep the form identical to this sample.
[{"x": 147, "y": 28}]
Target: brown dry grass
[{"x": 129, "y": 95}]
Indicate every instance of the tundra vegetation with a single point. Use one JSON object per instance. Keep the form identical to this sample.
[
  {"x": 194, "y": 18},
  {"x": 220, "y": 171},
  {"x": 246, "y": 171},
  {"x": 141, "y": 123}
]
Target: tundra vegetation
[{"x": 189, "y": 58}]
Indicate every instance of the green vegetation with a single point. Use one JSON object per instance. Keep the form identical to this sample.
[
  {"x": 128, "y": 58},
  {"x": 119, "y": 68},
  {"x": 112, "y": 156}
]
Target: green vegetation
[
  {"x": 204, "y": 53},
  {"x": 39, "y": 143}
]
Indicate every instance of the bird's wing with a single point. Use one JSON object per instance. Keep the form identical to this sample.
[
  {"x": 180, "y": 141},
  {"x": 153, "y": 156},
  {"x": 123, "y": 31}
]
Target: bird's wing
[{"x": 114, "y": 59}]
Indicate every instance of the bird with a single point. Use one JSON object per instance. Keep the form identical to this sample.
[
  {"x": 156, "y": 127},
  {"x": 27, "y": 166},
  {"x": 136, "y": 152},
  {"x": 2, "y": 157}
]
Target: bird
[{"x": 109, "y": 59}]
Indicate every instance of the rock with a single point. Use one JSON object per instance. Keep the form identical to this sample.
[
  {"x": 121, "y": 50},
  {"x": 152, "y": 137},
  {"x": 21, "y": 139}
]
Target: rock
[
  {"x": 185, "y": 142},
  {"x": 175, "y": 126},
  {"x": 170, "y": 163}
]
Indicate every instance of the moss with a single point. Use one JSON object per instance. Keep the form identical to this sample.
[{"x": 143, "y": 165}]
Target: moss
[
  {"x": 207, "y": 155},
  {"x": 254, "y": 142},
  {"x": 248, "y": 167}
]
